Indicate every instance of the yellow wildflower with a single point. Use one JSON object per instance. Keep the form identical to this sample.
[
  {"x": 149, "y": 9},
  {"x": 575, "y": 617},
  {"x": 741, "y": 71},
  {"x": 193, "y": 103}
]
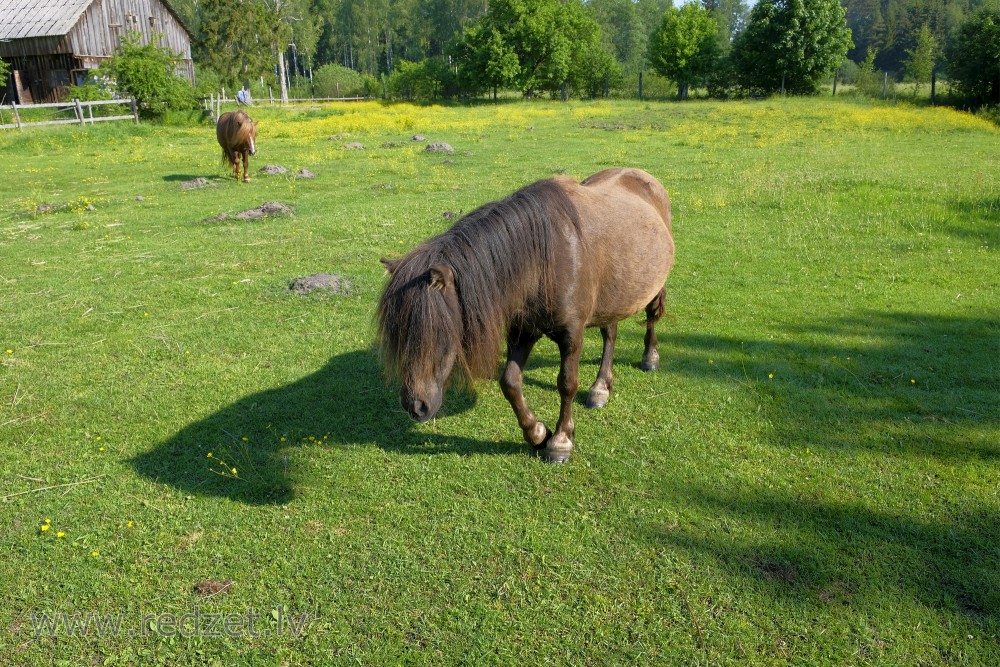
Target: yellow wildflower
[
  {"x": 60, "y": 534},
  {"x": 95, "y": 554},
  {"x": 45, "y": 527}
]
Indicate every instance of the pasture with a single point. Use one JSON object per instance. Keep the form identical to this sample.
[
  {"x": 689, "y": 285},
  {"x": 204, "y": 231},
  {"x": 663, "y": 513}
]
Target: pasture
[{"x": 810, "y": 478}]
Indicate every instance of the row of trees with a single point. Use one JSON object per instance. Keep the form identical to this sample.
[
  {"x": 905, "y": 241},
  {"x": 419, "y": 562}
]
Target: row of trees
[
  {"x": 449, "y": 47},
  {"x": 466, "y": 47}
]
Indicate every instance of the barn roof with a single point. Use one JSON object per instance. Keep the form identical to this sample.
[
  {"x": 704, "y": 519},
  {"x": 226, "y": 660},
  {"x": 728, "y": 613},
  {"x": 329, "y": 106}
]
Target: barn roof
[{"x": 39, "y": 18}]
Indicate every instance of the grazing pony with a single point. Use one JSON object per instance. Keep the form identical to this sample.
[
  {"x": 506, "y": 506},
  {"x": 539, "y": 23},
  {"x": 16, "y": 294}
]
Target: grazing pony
[
  {"x": 237, "y": 133},
  {"x": 549, "y": 260}
]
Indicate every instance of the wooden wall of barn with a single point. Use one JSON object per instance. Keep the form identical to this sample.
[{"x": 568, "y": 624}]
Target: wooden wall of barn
[{"x": 46, "y": 64}]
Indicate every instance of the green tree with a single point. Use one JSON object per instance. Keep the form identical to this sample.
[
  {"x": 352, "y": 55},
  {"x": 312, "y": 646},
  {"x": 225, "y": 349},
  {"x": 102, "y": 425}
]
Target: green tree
[
  {"x": 791, "y": 45},
  {"x": 532, "y": 44},
  {"x": 730, "y": 17},
  {"x": 974, "y": 57},
  {"x": 685, "y": 47},
  {"x": 237, "y": 42},
  {"x": 920, "y": 59},
  {"x": 148, "y": 73},
  {"x": 4, "y": 70}
]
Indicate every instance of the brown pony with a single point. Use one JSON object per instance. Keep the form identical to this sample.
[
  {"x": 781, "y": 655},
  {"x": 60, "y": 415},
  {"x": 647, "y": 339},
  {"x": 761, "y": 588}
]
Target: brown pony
[
  {"x": 237, "y": 133},
  {"x": 549, "y": 260}
]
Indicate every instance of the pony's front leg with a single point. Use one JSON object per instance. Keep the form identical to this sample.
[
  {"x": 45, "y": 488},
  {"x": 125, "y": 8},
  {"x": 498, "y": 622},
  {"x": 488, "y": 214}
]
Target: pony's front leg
[
  {"x": 560, "y": 445},
  {"x": 519, "y": 345},
  {"x": 246, "y": 164}
]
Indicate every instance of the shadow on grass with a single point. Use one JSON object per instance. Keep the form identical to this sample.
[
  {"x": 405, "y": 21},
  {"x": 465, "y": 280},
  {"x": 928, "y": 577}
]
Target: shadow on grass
[
  {"x": 170, "y": 178},
  {"x": 903, "y": 383},
  {"x": 844, "y": 554},
  {"x": 343, "y": 404},
  {"x": 980, "y": 223},
  {"x": 900, "y": 391}
]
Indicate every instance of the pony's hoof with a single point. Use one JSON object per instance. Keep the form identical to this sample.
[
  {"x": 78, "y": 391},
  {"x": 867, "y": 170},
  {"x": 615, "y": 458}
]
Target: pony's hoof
[
  {"x": 538, "y": 434},
  {"x": 650, "y": 361},
  {"x": 598, "y": 397},
  {"x": 556, "y": 450},
  {"x": 246, "y": 180}
]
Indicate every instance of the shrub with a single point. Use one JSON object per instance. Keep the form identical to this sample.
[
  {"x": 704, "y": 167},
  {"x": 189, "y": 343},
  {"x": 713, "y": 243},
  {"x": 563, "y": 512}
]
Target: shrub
[
  {"x": 333, "y": 80},
  {"x": 147, "y": 73}
]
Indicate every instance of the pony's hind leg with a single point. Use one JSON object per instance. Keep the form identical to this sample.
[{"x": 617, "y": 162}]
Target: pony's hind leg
[
  {"x": 600, "y": 391},
  {"x": 654, "y": 311}
]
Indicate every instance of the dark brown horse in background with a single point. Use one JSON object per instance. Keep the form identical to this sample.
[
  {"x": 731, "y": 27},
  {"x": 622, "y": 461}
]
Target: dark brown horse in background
[
  {"x": 237, "y": 135},
  {"x": 550, "y": 260}
]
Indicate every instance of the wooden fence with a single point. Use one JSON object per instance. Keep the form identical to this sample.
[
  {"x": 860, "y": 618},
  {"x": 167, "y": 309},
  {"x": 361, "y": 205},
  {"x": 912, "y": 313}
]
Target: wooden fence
[{"x": 83, "y": 112}]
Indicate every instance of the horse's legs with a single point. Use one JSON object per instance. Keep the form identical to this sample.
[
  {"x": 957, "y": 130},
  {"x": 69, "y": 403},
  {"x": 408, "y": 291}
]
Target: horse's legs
[
  {"x": 654, "y": 311},
  {"x": 600, "y": 391},
  {"x": 246, "y": 162},
  {"x": 236, "y": 165},
  {"x": 519, "y": 345},
  {"x": 560, "y": 445}
]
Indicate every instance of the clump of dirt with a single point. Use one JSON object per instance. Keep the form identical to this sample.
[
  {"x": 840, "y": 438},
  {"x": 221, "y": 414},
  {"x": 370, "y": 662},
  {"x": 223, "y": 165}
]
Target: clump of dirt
[
  {"x": 326, "y": 282},
  {"x": 354, "y": 146},
  {"x": 269, "y": 209},
  {"x": 448, "y": 215},
  {"x": 194, "y": 183},
  {"x": 265, "y": 210},
  {"x": 210, "y": 587},
  {"x": 304, "y": 173},
  {"x": 272, "y": 169},
  {"x": 439, "y": 147},
  {"x": 390, "y": 144},
  {"x": 419, "y": 137},
  {"x": 382, "y": 186}
]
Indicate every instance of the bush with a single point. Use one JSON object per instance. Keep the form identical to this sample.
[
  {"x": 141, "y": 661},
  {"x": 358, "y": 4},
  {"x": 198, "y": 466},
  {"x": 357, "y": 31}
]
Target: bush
[
  {"x": 428, "y": 80},
  {"x": 147, "y": 73},
  {"x": 332, "y": 80}
]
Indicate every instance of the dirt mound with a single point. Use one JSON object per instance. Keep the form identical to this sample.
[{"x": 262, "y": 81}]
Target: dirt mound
[
  {"x": 320, "y": 281},
  {"x": 439, "y": 147},
  {"x": 272, "y": 169},
  {"x": 269, "y": 209},
  {"x": 304, "y": 173},
  {"x": 194, "y": 183}
]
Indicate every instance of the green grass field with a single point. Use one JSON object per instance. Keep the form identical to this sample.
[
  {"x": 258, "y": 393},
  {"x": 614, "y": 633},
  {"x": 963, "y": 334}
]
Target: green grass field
[{"x": 810, "y": 479}]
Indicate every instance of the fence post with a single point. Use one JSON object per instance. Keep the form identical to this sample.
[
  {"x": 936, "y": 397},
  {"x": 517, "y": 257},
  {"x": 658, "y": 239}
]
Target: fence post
[
  {"x": 17, "y": 116},
  {"x": 135, "y": 110},
  {"x": 933, "y": 85},
  {"x": 885, "y": 84},
  {"x": 78, "y": 109},
  {"x": 640, "y": 86},
  {"x": 835, "y": 75}
]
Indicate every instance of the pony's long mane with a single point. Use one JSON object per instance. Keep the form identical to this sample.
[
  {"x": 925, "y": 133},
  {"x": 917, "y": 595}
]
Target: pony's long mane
[
  {"x": 237, "y": 130},
  {"x": 501, "y": 255}
]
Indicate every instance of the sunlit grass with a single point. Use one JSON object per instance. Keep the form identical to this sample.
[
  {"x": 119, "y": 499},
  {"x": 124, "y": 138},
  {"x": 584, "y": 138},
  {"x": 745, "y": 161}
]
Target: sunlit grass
[{"x": 809, "y": 479}]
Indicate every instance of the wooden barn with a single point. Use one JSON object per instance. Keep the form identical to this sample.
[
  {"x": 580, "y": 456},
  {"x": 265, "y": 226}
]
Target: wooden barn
[{"x": 49, "y": 44}]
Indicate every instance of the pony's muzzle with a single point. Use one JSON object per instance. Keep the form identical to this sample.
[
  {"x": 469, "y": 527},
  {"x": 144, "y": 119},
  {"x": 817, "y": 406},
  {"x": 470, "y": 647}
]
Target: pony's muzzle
[{"x": 419, "y": 409}]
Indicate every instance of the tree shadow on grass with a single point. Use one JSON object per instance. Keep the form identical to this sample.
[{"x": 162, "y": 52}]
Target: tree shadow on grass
[
  {"x": 876, "y": 387},
  {"x": 828, "y": 553},
  {"x": 899, "y": 383},
  {"x": 345, "y": 403},
  {"x": 978, "y": 222}
]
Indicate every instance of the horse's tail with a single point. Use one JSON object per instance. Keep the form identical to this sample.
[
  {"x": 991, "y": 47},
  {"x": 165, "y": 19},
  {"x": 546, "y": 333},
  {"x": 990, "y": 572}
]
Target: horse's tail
[{"x": 656, "y": 307}]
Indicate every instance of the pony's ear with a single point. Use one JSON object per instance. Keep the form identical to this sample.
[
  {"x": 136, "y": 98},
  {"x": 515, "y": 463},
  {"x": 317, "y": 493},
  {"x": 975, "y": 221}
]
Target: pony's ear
[
  {"x": 390, "y": 264},
  {"x": 442, "y": 276}
]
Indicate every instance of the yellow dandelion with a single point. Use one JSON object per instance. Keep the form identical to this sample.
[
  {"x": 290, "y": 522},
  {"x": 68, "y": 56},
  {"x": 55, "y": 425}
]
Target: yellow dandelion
[
  {"x": 770, "y": 376},
  {"x": 10, "y": 351},
  {"x": 210, "y": 455},
  {"x": 60, "y": 534},
  {"x": 129, "y": 524},
  {"x": 281, "y": 439},
  {"x": 100, "y": 449},
  {"x": 48, "y": 521},
  {"x": 234, "y": 471},
  {"x": 912, "y": 381},
  {"x": 45, "y": 527},
  {"x": 97, "y": 438},
  {"x": 711, "y": 361},
  {"x": 244, "y": 439},
  {"x": 95, "y": 554}
]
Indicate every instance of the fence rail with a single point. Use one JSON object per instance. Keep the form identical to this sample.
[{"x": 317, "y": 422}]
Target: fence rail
[{"x": 80, "y": 116}]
